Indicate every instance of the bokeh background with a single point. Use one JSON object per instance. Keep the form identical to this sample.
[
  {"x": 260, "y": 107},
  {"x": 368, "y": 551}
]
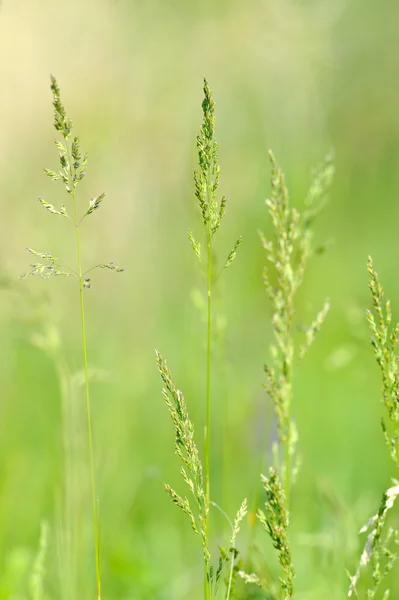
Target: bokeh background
[{"x": 299, "y": 76}]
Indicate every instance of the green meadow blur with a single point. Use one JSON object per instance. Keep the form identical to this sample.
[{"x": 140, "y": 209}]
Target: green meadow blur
[{"x": 300, "y": 77}]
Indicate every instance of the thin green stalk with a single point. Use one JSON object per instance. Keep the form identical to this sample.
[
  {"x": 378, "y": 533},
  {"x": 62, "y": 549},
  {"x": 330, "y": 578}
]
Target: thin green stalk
[
  {"x": 208, "y": 378},
  {"x": 88, "y": 405},
  {"x": 86, "y": 375},
  {"x": 231, "y": 572},
  {"x": 208, "y": 402}
]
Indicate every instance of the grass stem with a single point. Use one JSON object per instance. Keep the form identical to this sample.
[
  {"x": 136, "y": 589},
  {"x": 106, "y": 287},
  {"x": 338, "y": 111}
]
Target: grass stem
[
  {"x": 207, "y": 594},
  {"x": 88, "y": 404}
]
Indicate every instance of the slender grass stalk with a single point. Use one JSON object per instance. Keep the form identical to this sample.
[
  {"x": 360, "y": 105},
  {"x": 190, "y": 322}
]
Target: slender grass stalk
[
  {"x": 72, "y": 171},
  {"x": 243, "y": 510},
  {"x": 211, "y": 179},
  {"x": 208, "y": 395},
  {"x": 89, "y": 425},
  {"x": 87, "y": 394}
]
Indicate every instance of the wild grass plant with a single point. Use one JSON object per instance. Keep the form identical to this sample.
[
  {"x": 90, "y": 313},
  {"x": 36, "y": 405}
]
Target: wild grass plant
[
  {"x": 287, "y": 257},
  {"x": 198, "y": 477},
  {"x": 206, "y": 191},
  {"x": 380, "y": 551},
  {"x": 287, "y": 254},
  {"x": 72, "y": 169}
]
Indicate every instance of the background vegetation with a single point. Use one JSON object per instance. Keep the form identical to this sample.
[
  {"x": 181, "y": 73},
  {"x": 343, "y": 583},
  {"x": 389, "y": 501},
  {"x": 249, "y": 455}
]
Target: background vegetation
[{"x": 301, "y": 77}]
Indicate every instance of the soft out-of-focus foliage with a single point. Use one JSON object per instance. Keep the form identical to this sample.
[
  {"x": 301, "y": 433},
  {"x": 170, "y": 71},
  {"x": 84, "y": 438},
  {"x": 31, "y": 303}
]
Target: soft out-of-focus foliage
[{"x": 298, "y": 76}]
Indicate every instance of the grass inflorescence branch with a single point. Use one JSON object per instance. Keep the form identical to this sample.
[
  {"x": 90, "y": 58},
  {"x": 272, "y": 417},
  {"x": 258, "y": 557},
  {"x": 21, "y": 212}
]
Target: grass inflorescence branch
[
  {"x": 275, "y": 521},
  {"x": 186, "y": 449},
  {"x": 197, "y": 509},
  {"x": 379, "y": 548},
  {"x": 287, "y": 257},
  {"x": 72, "y": 169}
]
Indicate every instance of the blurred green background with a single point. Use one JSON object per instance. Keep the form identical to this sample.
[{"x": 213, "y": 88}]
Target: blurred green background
[{"x": 301, "y": 77}]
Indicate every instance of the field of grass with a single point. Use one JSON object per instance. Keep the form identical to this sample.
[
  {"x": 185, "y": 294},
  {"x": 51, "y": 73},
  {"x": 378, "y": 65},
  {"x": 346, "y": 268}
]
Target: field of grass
[{"x": 298, "y": 76}]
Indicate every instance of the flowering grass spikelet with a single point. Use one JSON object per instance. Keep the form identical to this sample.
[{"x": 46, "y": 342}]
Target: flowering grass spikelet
[
  {"x": 187, "y": 451},
  {"x": 242, "y": 512},
  {"x": 385, "y": 337},
  {"x": 275, "y": 521},
  {"x": 287, "y": 255},
  {"x": 286, "y": 259},
  {"x": 377, "y": 547},
  {"x": 72, "y": 170}
]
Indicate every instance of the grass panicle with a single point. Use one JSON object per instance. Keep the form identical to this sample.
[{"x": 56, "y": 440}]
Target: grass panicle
[
  {"x": 287, "y": 257},
  {"x": 186, "y": 449},
  {"x": 241, "y": 514},
  {"x": 384, "y": 340},
  {"x": 71, "y": 171},
  {"x": 379, "y": 548},
  {"x": 275, "y": 521},
  {"x": 197, "y": 509}
]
